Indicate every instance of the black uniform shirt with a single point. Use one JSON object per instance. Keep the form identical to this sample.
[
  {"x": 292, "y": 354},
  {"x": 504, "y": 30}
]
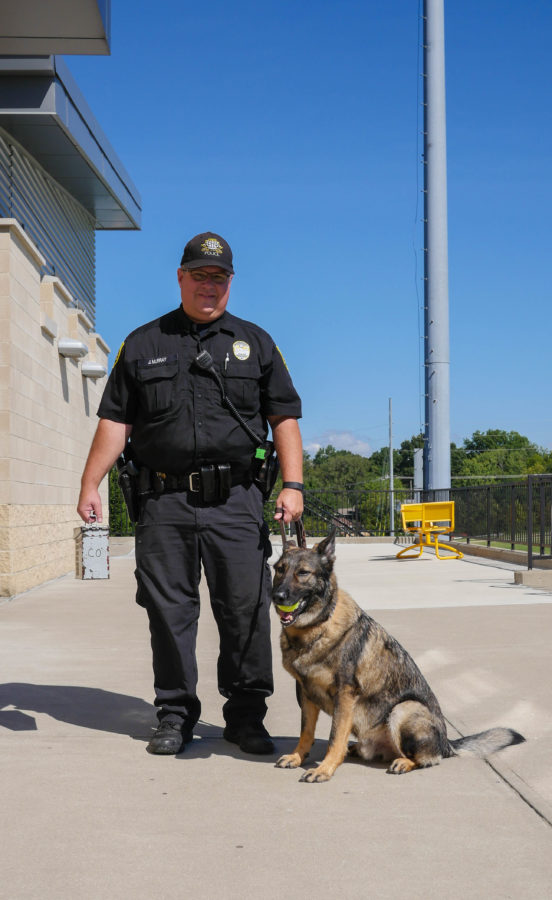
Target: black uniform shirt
[{"x": 176, "y": 409}]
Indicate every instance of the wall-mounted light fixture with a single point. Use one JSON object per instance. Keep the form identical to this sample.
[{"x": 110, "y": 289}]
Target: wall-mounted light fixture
[
  {"x": 93, "y": 370},
  {"x": 72, "y": 348}
]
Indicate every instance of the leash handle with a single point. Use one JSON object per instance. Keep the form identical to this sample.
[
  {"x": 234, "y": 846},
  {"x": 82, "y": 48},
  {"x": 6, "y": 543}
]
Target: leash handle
[
  {"x": 280, "y": 509},
  {"x": 299, "y": 532}
]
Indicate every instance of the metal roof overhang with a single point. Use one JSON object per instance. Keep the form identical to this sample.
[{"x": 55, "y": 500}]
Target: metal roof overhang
[
  {"x": 43, "y": 109},
  {"x": 34, "y": 27}
]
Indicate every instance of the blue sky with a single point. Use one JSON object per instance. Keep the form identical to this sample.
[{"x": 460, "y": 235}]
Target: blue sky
[{"x": 292, "y": 129}]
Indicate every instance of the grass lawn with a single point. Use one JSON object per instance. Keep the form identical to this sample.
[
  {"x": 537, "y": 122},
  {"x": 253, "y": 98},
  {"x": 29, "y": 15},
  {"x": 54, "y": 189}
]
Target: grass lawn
[{"x": 505, "y": 545}]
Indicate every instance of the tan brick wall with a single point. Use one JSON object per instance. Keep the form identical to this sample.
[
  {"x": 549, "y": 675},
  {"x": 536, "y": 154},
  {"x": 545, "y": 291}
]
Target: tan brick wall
[{"x": 47, "y": 416}]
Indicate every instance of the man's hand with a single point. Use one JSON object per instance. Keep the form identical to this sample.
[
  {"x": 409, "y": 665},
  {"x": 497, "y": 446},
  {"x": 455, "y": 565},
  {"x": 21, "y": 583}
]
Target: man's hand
[
  {"x": 90, "y": 505},
  {"x": 291, "y": 502}
]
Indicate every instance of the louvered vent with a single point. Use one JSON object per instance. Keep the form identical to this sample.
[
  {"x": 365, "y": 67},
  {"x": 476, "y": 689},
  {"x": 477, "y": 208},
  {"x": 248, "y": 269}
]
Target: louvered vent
[{"x": 60, "y": 227}]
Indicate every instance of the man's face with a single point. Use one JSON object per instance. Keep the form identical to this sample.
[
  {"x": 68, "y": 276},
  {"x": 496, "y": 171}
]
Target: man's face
[{"x": 204, "y": 292}]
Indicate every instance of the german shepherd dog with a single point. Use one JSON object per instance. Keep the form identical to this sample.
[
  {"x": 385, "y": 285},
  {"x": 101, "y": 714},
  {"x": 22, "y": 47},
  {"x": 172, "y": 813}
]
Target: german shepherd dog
[{"x": 350, "y": 667}]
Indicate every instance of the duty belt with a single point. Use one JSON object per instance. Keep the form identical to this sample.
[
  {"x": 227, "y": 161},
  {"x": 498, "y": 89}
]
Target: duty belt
[
  {"x": 212, "y": 482},
  {"x": 189, "y": 482}
]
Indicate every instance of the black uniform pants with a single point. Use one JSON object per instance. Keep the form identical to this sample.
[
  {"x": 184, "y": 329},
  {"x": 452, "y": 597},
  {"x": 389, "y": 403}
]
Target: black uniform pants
[{"x": 176, "y": 535}]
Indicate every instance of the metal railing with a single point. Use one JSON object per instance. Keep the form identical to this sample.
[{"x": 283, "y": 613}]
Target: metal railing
[
  {"x": 355, "y": 511},
  {"x": 492, "y": 513},
  {"x": 539, "y": 518},
  {"x": 516, "y": 516}
]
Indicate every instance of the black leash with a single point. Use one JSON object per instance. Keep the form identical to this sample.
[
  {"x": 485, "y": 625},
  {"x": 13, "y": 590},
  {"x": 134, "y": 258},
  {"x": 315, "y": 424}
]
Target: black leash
[{"x": 299, "y": 531}]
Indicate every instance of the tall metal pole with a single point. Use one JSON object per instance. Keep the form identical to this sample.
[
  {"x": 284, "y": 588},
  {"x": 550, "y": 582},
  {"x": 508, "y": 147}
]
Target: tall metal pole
[
  {"x": 418, "y": 474},
  {"x": 436, "y": 358},
  {"x": 391, "y": 475}
]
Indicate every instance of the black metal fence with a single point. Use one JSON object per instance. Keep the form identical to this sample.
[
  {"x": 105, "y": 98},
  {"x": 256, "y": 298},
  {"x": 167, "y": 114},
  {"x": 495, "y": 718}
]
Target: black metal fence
[
  {"x": 492, "y": 513},
  {"x": 353, "y": 512},
  {"x": 539, "y": 519},
  {"x": 515, "y": 516}
]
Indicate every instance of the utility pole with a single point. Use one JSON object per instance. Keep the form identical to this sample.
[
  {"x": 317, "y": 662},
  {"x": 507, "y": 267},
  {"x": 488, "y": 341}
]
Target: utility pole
[
  {"x": 418, "y": 474},
  {"x": 391, "y": 476},
  {"x": 436, "y": 302}
]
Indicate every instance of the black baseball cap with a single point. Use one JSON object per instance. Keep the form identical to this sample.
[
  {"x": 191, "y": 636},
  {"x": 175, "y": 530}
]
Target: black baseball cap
[{"x": 207, "y": 249}]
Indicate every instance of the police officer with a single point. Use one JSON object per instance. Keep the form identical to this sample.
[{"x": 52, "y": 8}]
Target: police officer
[{"x": 199, "y": 504}]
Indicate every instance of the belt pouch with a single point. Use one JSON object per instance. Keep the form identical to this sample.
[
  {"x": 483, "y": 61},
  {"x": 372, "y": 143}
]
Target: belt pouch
[
  {"x": 144, "y": 480},
  {"x": 208, "y": 481},
  {"x": 127, "y": 483},
  {"x": 225, "y": 480},
  {"x": 157, "y": 483}
]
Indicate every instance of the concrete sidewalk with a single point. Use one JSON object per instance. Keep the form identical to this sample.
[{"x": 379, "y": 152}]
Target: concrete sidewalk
[{"x": 87, "y": 813}]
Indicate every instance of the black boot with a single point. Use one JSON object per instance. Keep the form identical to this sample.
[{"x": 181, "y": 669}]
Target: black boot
[
  {"x": 251, "y": 737},
  {"x": 170, "y": 737}
]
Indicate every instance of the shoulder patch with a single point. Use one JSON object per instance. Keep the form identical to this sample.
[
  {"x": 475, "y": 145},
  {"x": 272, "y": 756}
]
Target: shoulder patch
[
  {"x": 282, "y": 355},
  {"x": 118, "y": 354}
]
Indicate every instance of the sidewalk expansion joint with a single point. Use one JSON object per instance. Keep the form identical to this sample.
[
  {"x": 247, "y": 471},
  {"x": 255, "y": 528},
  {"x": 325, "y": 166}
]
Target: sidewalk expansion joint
[
  {"x": 534, "y": 801},
  {"x": 526, "y": 793}
]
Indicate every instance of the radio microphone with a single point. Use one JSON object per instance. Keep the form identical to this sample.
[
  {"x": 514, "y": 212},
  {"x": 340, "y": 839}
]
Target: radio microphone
[{"x": 204, "y": 360}]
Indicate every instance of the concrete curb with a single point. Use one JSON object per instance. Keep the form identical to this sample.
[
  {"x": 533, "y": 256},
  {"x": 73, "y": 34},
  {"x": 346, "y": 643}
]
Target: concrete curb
[{"x": 537, "y": 578}]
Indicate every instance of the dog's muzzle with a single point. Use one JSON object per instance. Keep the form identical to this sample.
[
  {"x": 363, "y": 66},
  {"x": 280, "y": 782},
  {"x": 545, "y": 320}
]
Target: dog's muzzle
[
  {"x": 280, "y": 598},
  {"x": 285, "y": 609}
]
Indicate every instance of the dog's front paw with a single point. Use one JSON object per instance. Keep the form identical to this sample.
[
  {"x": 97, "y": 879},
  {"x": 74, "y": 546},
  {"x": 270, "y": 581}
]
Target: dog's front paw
[
  {"x": 289, "y": 761},
  {"x": 316, "y": 776},
  {"x": 400, "y": 766}
]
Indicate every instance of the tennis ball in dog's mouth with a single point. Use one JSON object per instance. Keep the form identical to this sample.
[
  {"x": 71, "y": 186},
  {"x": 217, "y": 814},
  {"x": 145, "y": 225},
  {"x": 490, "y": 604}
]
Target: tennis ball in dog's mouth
[{"x": 287, "y": 608}]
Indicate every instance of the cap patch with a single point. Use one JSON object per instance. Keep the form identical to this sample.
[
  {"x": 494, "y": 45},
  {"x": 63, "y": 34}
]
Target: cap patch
[
  {"x": 211, "y": 247},
  {"x": 241, "y": 350}
]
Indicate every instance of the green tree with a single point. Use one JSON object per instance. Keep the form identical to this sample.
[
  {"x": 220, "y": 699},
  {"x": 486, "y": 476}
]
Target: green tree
[
  {"x": 498, "y": 452},
  {"x": 495, "y": 439},
  {"x": 337, "y": 469},
  {"x": 119, "y": 523},
  {"x": 457, "y": 457},
  {"x": 403, "y": 459},
  {"x": 323, "y": 454}
]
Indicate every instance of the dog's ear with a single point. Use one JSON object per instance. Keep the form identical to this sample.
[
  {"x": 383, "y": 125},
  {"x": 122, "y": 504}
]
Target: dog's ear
[
  {"x": 290, "y": 545},
  {"x": 326, "y": 548}
]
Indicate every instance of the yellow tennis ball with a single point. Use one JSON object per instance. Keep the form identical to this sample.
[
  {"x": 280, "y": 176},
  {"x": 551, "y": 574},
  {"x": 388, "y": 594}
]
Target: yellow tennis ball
[{"x": 287, "y": 608}]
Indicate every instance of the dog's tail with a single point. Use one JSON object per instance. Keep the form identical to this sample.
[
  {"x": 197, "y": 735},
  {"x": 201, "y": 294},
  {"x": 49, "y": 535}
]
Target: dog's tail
[{"x": 486, "y": 742}]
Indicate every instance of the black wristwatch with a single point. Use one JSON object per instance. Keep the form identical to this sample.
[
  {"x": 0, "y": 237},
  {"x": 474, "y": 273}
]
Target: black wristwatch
[{"x": 294, "y": 485}]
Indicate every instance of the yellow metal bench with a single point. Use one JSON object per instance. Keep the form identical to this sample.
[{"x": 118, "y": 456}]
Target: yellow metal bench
[{"x": 428, "y": 521}]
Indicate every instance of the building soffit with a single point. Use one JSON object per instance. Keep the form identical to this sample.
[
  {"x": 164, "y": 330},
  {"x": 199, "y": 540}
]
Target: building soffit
[
  {"x": 44, "y": 111},
  {"x": 34, "y": 27}
]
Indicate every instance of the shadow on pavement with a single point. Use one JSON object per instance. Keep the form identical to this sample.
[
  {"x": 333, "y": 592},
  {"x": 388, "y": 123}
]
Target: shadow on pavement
[
  {"x": 208, "y": 741},
  {"x": 119, "y": 714},
  {"x": 83, "y": 706},
  {"x": 401, "y": 560},
  {"x": 122, "y": 714}
]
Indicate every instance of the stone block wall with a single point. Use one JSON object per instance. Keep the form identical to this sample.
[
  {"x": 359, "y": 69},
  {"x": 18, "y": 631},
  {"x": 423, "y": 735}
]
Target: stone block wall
[{"x": 47, "y": 416}]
